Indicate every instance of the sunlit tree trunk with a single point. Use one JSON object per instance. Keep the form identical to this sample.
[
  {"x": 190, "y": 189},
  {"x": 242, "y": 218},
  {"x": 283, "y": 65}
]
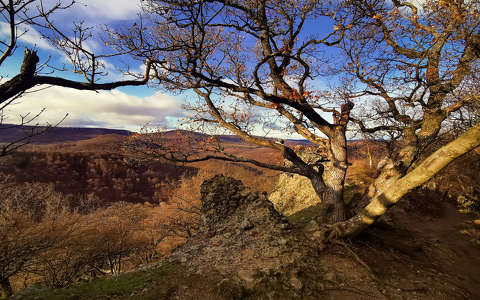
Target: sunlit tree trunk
[{"x": 329, "y": 187}]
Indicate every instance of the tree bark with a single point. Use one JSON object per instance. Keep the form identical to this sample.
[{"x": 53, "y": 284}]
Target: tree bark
[
  {"x": 6, "y": 289},
  {"x": 395, "y": 189},
  {"x": 28, "y": 78},
  {"x": 330, "y": 186},
  {"x": 24, "y": 80}
]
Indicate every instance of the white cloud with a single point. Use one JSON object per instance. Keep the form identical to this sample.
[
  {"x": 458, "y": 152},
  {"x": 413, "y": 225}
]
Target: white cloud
[
  {"x": 29, "y": 36},
  {"x": 109, "y": 10},
  {"x": 113, "y": 109},
  {"x": 97, "y": 11}
]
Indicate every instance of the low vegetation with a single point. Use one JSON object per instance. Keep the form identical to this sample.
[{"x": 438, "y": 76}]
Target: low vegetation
[
  {"x": 60, "y": 244},
  {"x": 59, "y": 239}
]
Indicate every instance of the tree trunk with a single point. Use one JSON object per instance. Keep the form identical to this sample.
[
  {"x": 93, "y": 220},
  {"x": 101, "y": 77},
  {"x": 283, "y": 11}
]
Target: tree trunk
[
  {"x": 370, "y": 157},
  {"x": 6, "y": 288},
  {"x": 397, "y": 188},
  {"x": 329, "y": 188},
  {"x": 332, "y": 205}
]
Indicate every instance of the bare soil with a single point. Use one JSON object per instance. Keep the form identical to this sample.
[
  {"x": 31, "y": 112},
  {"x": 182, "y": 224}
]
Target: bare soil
[{"x": 420, "y": 250}]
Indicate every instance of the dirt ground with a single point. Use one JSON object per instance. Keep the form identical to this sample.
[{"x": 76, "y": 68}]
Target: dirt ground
[{"x": 419, "y": 252}]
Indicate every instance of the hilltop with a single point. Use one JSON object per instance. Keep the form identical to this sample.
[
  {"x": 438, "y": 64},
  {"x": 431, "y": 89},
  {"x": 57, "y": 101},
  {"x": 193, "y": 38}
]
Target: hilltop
[
  {"x": 244, "y": 249},
  {"x": 10, "y": 133}
]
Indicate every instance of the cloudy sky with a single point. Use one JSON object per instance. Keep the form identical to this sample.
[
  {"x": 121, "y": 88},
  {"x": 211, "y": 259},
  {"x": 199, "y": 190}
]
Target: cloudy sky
[{"x": 125, "y": 108}]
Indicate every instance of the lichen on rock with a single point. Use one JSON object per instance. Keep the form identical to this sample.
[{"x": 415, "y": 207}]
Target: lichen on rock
[
  {"x": 240, "y": 231},
  {"x": 294, "y": 192}
]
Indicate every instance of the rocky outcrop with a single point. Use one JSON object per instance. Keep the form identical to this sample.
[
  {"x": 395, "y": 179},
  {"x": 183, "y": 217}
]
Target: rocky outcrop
[
  {"x": 244, "y": 249},
  {"x": 242, "y": 236},
  {"x": 223, "y": 196},
  {"x": 254, "y": 251},
  {"x": 293, "y": 192}
]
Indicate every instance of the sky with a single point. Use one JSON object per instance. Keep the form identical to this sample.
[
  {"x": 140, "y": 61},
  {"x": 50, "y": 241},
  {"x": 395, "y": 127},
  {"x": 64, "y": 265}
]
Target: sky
[{"x": 124, "y": 108}]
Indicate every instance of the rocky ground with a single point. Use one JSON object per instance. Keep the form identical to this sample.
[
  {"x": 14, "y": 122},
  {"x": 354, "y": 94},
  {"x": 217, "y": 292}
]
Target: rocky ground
[{"x": 246, "y": 250}]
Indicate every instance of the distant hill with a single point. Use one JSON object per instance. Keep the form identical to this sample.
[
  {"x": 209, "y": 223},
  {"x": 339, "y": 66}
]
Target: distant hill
[
  {"x": 235, "y": 139},
  {"x": 10, "y": 133}
]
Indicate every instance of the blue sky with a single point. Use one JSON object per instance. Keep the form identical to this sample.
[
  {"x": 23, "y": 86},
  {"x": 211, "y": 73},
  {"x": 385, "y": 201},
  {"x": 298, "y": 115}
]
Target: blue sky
[{"x": 124, "y": 108}]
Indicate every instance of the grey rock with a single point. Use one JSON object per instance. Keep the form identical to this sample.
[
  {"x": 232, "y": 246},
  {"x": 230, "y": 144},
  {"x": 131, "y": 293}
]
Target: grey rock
[
  {"x": 246, "y": 224},
  {"x": 312, "y": 226},
  {"x": 330, "y": 276},
  {"x": 317, "y": 235},
  {"x": 248, "y": 277},
  {"x": 296, "y": 283},
  {"x": 245, "y": 193}
]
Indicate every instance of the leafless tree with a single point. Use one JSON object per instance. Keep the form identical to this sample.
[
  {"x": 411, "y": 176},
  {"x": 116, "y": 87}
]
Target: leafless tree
[
  {"x": 36, "y": 14},
  {"x": 30, "y": 215},
  {"x": 416, "y": 67},
  {"x": 252, "y": 66},
  {"x": 410, "y": 67}
]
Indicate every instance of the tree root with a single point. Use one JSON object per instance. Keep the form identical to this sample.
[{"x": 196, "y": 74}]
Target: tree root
[
  {"x": 372, "y": 274},
  {"x": 356, "y": 257}
]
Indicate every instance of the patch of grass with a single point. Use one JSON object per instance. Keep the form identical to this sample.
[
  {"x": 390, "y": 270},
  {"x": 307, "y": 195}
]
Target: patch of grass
[
  {"x": 165, "y": 282},
  {"x": 150, "y": 284},
  {"x": 306, "y": 215}
]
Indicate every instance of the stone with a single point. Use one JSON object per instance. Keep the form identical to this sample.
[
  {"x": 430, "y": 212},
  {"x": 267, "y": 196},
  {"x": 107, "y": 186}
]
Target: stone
[
  {"x": 272, "y": 252},
  {"x": 245, "y": 193},
  {"x": 296, "y": 283},
  {"x": 317, "y": 235},
  {"x": 312, "y": 226},
  {"x": 329, "y": 276},
  {"x": 246, "y": 224},
  {"x": 231, "y": 229},
  {"x": 294, "y": 192},
  {"x": 248, "y": 277}
]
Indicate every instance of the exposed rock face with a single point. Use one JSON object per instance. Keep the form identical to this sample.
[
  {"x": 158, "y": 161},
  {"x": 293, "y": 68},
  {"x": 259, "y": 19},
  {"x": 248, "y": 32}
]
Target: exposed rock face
[
  {"x": 221, "y": 196},
  {"x": 242, "y": 235},
  {"x": 294, "y": 192},
  {"x": 246, "y": 244}
]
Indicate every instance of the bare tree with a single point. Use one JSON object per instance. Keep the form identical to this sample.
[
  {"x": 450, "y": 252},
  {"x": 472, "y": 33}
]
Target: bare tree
[
  {"x": 416, "y": 66},
  {"x": 252, "y": 66},
  {"x": 30, "y": 216},
  {"x": 36, "y": 14},
  {"x": 409, "y": 67}
]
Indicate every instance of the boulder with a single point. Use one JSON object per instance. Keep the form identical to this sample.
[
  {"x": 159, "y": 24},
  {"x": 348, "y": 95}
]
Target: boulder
[{"x": 294, "y": 192}]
